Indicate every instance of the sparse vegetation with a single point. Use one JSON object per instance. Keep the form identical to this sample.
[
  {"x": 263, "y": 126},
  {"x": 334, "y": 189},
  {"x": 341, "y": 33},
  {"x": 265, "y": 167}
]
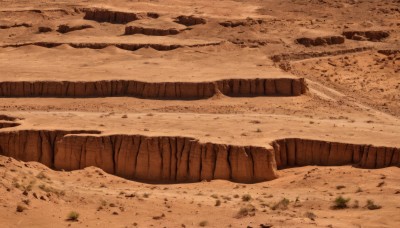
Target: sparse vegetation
[
  {"x": 255, "y": 121},
  {"x": 146, "y": 195},
  {"x": 372, "y": 206},
  {"x": 282, "y": 204},
  {"x": 203, "y": 223},
  {"x": 340, "y": 203},
  {"x": 310, "y": 215},
  {"x": 73, "y": 216},
  {"x": 159, "y": 217},
  {"x": 248, "y": 210},
  {"x": 340, "y": 187},
  {"x": 20, "y": 208},
  {"x": 48, "y": 189},
  {"x": 217, "y": 203},
  {"x": 42, "y": 176},
  {"x": 381, "y": 184},
  {"x": 355, "y": 204},
  {"x": 215, "y": 196},
  {"x": 246, "y": 197}
]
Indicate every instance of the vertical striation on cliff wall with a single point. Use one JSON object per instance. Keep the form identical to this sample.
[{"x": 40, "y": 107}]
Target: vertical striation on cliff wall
[
  {"x": 155, "y": 90},
  {"x": 182, "y": 159},
  {"x": 301, "y": 152},
  {"x": 151, "y": 159}
]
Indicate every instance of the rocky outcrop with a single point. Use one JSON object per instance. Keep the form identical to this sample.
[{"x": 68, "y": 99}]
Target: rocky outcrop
[
  {"x": 124, "y": 46},
  {"x": 44, "y": 29},
  {"x": 131, "y": 30},
  {"x": 374, "y": 36},
  {"x": 309, "y": 55},
  {"x": 150, "y": 159},
  {"x": 65, "y": 28},
  {"x": 245, "y": 22},
  {"x": 156, "y": 90},
  {"x": 262, "y": 87},
  {"x": 8, "y": 118},
  {"x": 115, "y": 17},
  {"x": 8, "y": 124},
  {"x": 389, "y": 52},
  {"x": 320, "y": 41},
  {"x": 302, "y": 152},
  {"x": 190, "y": 20},
  {"x": 15, "y": 25}
]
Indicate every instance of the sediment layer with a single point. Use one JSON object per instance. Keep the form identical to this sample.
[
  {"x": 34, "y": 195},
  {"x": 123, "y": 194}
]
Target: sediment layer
[
  {"x": 131, "y": 30},
  {"x": 151, "y": 159},
  {"x": 388, "y": 51},
  {"x": 374, "y": 36},
  {"x": 320, "y": 41},
  {"x": 8, "y": 124},
  {"x": 156, "y": 90},
  {"x": 310, "y": 55},
  {"x": 7, "y": 26},
  {"x": 115, "y": 17},
  {"x": 301, "y": 152},
  {"x": 190, "y": 20},
  {"x": 124, "y": 46},
  {"x": 245, "y": 22},
  {"x": 67, "y": 28},
  {"x": 182, "y": 159}
]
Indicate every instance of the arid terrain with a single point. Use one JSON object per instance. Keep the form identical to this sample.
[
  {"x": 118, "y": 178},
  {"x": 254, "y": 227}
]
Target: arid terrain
[{"x": 231, "y": 113}]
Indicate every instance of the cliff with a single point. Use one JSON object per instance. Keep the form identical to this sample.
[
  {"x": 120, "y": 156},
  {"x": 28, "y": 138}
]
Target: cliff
[
  {"x": 183, "y": 159},
  {"x": 302, "y": 152},
  {"x": 150, "y": 159},
  {"x": 155, "y": 90}
]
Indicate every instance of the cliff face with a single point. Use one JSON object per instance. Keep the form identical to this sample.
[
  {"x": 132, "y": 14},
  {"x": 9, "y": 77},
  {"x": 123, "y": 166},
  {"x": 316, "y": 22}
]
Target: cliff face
[
  {"x": 302, "y": 152},
  {"x": 115, "y": 17},
  {"x": 190, "y": 20},
  {"x": 152, "y": 159},
  {"x": 168, "y": 90},
  {"x": 320, "y": 41},
  {"x": 374, "y": 36},
  {"x": 182, "y": 159},
  {"x": 131, "y": 30}
]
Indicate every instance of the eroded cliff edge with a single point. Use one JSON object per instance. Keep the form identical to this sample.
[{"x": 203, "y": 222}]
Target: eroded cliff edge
[
  {"x": 160, "y": 90},
  {"x": 151, "y": 159},
  {"x": 171, "y": 159}
]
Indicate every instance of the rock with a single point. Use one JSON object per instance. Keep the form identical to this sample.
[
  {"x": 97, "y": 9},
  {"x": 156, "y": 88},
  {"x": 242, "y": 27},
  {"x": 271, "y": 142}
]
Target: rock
[
  {"x": 320, "y": 41},
  {"x": 189, "y": 20},
  {"x": 374, "y": 36},
  {"x": 115, "y": 17}
]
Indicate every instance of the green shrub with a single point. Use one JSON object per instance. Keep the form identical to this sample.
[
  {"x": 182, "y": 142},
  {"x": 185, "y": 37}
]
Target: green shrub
[
  {"x": 73, "y": 216},
  {"x": 246, "y": 197},
  {"x": 282, "y": 204},
  {"x": 341, "y": 203},
  {"x": 20, "y": 208},
  {"x": 372, "y": 206}
]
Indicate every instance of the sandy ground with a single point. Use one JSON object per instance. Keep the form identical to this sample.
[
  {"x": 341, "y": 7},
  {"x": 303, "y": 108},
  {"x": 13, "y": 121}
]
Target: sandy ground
[
  {"x": 353, "y": 97},
  {"x": 102, "y": 200}
]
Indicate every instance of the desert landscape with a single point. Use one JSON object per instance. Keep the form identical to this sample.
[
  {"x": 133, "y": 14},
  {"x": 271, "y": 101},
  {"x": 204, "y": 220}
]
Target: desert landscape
[{"x": 230, "y": 113}]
